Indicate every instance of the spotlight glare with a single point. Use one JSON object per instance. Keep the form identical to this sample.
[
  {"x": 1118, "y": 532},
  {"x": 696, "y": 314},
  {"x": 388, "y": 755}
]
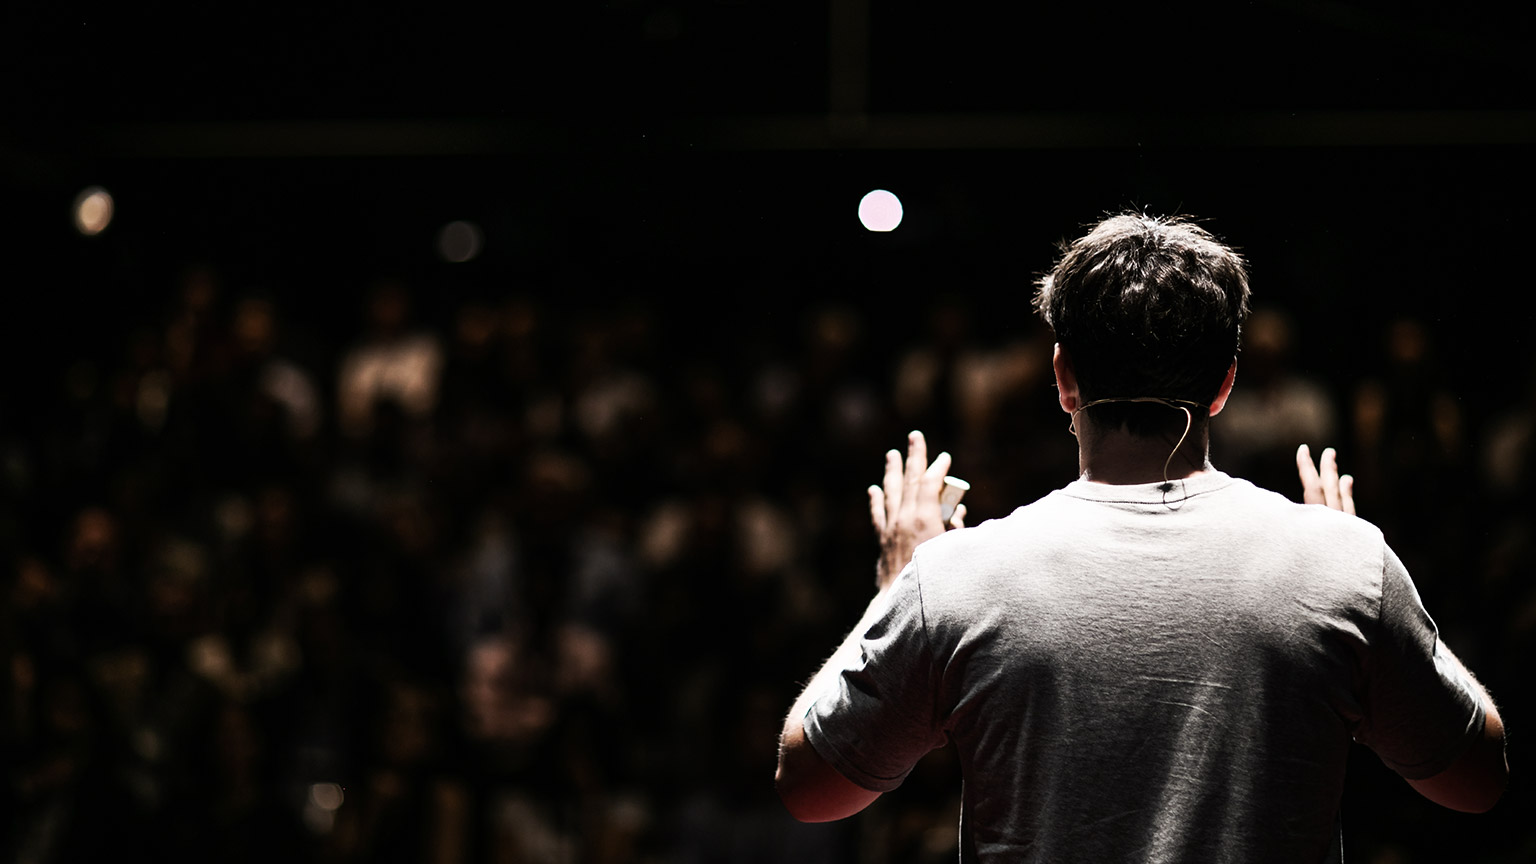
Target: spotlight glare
[
  {"x": 93, "y": 211},
  {"x": 880, "y": 210}
]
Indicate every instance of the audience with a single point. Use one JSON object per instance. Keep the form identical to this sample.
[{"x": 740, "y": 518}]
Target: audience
[{"x": 531, "y": 580}]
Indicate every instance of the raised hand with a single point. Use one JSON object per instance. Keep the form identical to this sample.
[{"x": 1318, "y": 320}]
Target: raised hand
[
  {"x": 904, "y": 508},
  {"x": 1322, "y": 483}
]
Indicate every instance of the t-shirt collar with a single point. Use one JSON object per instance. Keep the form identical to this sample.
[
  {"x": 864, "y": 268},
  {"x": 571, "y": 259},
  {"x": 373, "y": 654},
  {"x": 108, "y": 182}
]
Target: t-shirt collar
[{"x": 1148, "y": 493}]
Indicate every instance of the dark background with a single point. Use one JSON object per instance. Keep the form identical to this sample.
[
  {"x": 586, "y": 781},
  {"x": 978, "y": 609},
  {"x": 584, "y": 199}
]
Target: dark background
[
  {"x": 698, "y": 165},
  {"x": 1367, "y": 157}
]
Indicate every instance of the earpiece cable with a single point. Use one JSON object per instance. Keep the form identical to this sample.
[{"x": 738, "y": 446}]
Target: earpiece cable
[{"x": 1181, "y": 404}]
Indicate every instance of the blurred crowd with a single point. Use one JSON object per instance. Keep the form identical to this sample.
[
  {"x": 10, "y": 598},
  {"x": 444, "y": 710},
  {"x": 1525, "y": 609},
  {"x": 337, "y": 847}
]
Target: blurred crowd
[{"x": 518, "y": 578}]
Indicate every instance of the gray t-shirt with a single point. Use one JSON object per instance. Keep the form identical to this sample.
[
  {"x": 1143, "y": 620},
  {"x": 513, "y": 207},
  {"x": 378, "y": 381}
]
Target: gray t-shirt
[{"x": 1133, "y": 674}]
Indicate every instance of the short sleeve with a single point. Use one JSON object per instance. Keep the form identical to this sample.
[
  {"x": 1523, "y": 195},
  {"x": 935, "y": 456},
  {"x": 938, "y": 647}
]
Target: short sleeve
[
  {"x": 1421, "y": 710},
  {"x": 878, "y": 717}
]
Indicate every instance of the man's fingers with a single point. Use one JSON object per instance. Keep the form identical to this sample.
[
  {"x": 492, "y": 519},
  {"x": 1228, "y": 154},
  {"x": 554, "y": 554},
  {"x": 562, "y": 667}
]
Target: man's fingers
[
  {"x": 958, "y": 519},
  {"x": 1311, "y": 483},
  {"x": 909, "y": 486},
  {"x": 1322, "y": 483},
  {"x": 892, "y": 483},
  {"x": 877, "y": 509},
  {"x": 917, "y": 463},
  {"x": 933, "y": 478},
  {"x": 917, "y": 457},
  {"x": 1347, "y": 493},
  {"x": 1329, "y": 469},
  {"x": 904, "y": 508}
]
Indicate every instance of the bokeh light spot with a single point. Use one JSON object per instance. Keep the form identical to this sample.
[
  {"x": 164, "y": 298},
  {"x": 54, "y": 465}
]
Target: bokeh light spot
[
  {"x": 93, "y": 211},
  {"x": 459, "y": 242},
  {"x": 326, "y": 796},
  {"x": 880, "y": 211}
]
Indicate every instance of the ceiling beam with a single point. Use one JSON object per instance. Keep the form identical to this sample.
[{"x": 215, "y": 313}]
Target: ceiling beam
[{"x": 1012, "y": 131}]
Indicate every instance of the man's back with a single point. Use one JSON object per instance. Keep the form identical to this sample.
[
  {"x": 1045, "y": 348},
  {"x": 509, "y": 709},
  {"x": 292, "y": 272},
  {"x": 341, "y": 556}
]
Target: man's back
[
  {"x": 1132, "y": 674},
  {"x": 1135, "y": 670}
]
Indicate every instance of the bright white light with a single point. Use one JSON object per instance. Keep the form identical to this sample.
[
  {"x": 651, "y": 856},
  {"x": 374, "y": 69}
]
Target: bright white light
[
  {"x": 93, "y": 211},
  {"x": 880, "y": 211},
  {"x": 459, "y": 241}
]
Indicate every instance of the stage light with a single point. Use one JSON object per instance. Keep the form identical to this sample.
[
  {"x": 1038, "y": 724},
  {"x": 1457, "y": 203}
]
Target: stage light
[
  {"x": 880, "y": 211},
  {"x": 459, "y": 241},
  {"x": 93, "y": 211}
]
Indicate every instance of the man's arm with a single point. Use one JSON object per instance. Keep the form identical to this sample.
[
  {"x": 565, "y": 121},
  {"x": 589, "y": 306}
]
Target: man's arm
[
  {"x": 1476, "y": 780},
  {"x": 811, "y": 789},
  {"x": 905, "y": 511}
]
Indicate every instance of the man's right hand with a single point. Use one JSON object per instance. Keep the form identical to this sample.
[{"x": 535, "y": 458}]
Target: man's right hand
[
  {"x": 1322, "y": 483},
  {"x": 905, "y": 507}
]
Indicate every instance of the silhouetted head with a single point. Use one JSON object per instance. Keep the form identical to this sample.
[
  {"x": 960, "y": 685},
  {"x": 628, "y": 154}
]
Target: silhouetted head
[{"x": 1146, "y": 306}]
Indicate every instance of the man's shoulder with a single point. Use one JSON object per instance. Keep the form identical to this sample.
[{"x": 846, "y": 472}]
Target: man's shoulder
[
  {"x": 1227, "y": 504},
  {"x": 1027, "y": 527},
  {"x": 1273, "y": 505}
]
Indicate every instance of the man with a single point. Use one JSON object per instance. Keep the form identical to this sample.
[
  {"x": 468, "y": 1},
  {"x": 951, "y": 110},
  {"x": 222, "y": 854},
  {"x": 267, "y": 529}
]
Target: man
[{"x": 1158, "y": 662}]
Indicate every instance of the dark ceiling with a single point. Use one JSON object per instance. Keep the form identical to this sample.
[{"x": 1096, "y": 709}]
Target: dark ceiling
[
  {"x": 631, "y": 63},
  {"x": 1355, "y": 149}
]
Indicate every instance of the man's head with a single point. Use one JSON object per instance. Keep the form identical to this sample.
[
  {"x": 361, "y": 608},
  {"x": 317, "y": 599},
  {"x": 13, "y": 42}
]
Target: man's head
[{"x": 1146, "y": 306}]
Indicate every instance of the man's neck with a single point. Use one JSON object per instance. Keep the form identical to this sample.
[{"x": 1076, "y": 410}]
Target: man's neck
[{"x": 1119, "y": 458}]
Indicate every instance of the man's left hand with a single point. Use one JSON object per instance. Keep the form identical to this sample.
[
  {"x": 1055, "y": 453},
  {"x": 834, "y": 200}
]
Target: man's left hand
[{"x": 1322, "y": 483}]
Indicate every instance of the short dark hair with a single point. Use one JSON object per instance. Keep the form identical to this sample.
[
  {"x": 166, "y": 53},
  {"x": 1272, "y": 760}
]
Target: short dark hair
[{"x": 1146, "y": 306}]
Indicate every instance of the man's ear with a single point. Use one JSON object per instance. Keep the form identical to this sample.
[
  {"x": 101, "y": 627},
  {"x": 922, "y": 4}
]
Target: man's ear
[
  {"x": 1066, "y": 380},
  {"x": 1224, "y": 390}
]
